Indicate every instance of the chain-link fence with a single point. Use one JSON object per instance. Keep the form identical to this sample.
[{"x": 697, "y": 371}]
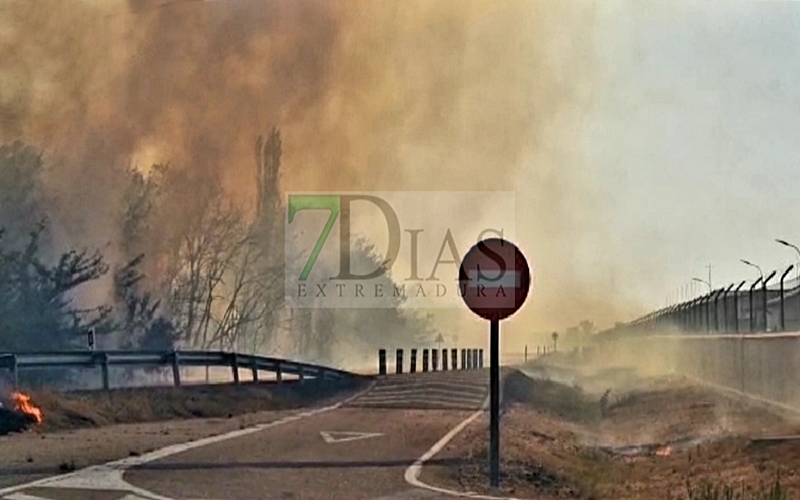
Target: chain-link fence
[{"x": 738, "y": 308}]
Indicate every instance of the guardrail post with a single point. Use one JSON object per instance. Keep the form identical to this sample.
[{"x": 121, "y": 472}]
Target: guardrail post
[
  {"x": 176, "y": 369},
  {"x": 454, "y": 359},
  {"x": 444, "y": 360},
  {"x": 13, "y": 371},
  {"x": 434, "y": 360},
  {"x": 382, "y": 362},
  {"x": 254, "y": 369},
  {"x": 234, "y": 359},
  {"x": 480, "y": 358},
  {"x": 463, "y": 359},
  {"x": 301, "y": 374},
  {"x": 278, "y": 373},
  {"x": 424, "y": 360},
  {"x": 104, "y": 371},
  {"x": 413, "y": 367},
  {"x": 322, "y": 373},
  {"x": 398, "y": 362}
]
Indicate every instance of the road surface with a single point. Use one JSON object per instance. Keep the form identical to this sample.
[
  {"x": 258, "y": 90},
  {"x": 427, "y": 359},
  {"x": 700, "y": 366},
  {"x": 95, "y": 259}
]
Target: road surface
[{"x": 358, "y": 449}]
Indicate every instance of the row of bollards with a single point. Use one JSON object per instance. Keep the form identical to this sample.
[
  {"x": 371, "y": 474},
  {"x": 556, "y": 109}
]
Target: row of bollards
[{"x": 471, "y": 359}]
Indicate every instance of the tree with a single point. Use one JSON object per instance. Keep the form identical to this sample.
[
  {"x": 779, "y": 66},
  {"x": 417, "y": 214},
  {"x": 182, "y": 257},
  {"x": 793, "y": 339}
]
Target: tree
[
  {"x": 220, "y": 280},
  {"x": 36, "y": 300},
  {"x": 139, "y": 320},
  {"x": 352, "y": 335},
  {"x": 21, "y": 209}
]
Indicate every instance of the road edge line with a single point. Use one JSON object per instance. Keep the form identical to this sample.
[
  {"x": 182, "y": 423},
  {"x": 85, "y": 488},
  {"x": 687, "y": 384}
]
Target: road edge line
[
  {"x": 121, "y": 465},
  {"x": 415, "y": 470}
]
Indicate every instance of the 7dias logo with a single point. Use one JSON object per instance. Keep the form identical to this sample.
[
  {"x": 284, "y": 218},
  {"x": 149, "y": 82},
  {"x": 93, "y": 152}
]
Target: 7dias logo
[{"x": 390, "y": 248}]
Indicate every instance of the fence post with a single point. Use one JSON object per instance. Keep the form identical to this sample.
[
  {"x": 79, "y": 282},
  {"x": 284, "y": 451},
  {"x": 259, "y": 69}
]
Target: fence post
[
  {"x": 234, "y": 360},
  {"x": 463, "y": 359},
  {"x": 12, "y": 369},
  {"x": 480, "y": 358},
  {"x": 413, "y": 367},
  {"x": 434, "y": 360},
  {"x": 444, "y": 360},
  {"x": 104, "y": 371},
  {"x": 278, "y": 372},
  {"x": 424, "y": 360},
  {"x": 526, "y": 354},
  {"x": 454, "y": 359},
  {"x": 176, "y": 369},
  {"x": 382, "y": 362},
  {"x": 254, "y": 369},
  {"x": 476, "y": 361},
  {"x": 398, "y": 363}
]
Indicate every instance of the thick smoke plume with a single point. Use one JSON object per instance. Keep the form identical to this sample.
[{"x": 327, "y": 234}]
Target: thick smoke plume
[{"x": 396, "y": 94}]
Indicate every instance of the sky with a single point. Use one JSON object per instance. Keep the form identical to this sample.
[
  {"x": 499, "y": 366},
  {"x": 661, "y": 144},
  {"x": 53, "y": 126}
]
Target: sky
[{"x": 693, "y": 142}]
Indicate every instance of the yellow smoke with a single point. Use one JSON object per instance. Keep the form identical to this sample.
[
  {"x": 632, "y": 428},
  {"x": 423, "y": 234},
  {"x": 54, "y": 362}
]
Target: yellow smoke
[{"x": 369, "y": 95}]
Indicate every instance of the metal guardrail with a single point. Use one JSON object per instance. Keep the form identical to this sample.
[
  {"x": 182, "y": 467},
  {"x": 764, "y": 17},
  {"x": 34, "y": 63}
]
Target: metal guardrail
[{"x": 14, "y": 362}]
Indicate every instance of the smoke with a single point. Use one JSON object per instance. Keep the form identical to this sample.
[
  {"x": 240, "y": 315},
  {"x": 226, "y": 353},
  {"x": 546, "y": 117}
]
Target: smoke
[{"x": 390, "y": 95}]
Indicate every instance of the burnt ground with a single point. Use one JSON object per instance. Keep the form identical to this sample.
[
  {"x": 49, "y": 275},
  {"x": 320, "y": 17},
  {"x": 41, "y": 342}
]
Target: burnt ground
[
  {"x": 80, "y": 409},
  {"x": 648, "y": 442}
]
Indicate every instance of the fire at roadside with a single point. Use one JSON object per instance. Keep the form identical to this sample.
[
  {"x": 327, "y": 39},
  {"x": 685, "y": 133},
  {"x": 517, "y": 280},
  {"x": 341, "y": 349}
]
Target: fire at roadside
[{"x": 18, "y": 413}]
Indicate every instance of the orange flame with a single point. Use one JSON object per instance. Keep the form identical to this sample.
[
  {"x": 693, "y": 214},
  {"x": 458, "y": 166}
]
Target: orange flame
[
  {"x": 23, "y": 403},
  {"x": 664, "y": 452}
]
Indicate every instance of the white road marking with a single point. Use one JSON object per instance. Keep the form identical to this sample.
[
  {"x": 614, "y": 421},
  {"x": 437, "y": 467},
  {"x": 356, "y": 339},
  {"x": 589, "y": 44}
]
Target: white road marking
[
  {"x": 426, "y": 394},
  {"x": 413, "y": 389},
  {"x": 109, "y": 476},
  {"x": 412, "y": 402},
  {"x": 22, "y": 496},
  {"x": 415, "y": 470},
  {"x": 341, "y": 437},
  {"x": 413, "y": 494}
]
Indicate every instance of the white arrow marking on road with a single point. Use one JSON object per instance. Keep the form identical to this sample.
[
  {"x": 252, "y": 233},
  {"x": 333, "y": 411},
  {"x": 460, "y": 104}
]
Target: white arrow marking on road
[{"x": 340, "y": 437}]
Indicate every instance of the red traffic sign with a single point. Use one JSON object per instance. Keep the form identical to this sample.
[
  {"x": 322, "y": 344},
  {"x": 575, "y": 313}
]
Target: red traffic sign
[{"x": 494, "y": 279}]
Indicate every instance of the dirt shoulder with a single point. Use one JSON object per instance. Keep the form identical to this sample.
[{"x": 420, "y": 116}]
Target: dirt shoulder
[
  {"x": 646, "y": 444},
  {"x": 88, "y": 428},
  {"x": 81, "y": 409}
]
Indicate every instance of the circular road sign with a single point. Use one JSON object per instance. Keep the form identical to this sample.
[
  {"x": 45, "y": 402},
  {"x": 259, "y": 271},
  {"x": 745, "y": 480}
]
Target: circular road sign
[{"x": 494, "y": 279}]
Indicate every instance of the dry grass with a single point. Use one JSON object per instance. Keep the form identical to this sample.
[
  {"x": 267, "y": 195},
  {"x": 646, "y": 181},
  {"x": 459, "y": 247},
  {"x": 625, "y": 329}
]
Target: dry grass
[
  {"x": 556, "y": 446},
  {"x": 79, "y": 409}
]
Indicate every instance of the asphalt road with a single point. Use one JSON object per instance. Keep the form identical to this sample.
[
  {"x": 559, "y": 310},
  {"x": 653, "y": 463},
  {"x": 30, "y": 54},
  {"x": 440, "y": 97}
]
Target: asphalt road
[{"x": 360, "y": 449}]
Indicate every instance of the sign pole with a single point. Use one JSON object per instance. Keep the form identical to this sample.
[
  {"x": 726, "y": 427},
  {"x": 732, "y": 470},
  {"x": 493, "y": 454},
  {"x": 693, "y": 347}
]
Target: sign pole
[
  {"x": 494, "y": 278},
  {"x": 494, "y": 400}
]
